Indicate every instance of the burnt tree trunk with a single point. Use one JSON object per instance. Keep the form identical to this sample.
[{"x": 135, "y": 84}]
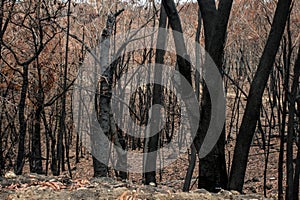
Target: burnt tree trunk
[
  {"x": 212, "y": 168},
  {"x": 293, "y": 176},
  {"x": 105, "y": 118},
  {"x": 62, "y": 119},
  {"x": 152, "y": 142},
  {"x": 254, "y": 101},
  {"x": 36, "y": 156},
  {"x": 193, "y": 155},
  {"x": 22, "y": 121},
  {"x": 184, "y": 66},
  {"x": 36, "y": 159}
]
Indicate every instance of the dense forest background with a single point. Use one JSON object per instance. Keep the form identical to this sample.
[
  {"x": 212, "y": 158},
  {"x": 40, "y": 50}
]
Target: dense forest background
[{"x": 255, "y": 45}]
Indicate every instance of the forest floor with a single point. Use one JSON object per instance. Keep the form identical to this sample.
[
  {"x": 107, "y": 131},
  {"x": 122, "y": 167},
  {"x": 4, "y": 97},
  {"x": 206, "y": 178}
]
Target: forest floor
[
  {"x": 84, "y": 186},
  {"x": 41, "y": 187}
]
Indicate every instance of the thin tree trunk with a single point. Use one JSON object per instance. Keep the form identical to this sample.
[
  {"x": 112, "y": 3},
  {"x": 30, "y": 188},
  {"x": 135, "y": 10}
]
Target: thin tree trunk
[
  {"x": 296, "y": 176},
  {"x": 192, "y": 162},
  {"x": 190, "y": 170},
  {"x": 293, "y": 184},
  {"x": 22, "y": 132},
  {"x": 54, "y": 159},
  {"x": 36, "y": 156},
  {"x": 282, "y": 127},
  {"x": 62, "y": 119},
  {"x": 183, "y": 65},
  {"x": 105, "y": 118},
  {"x": 37, "y": 165},
  {"x": 2, "y": 163},
  {"x": 79, "y": 132},
  {"x": 254, "y": 101},
  {"x": 152, "y": 142},
  {"x": 48, "y": 134},
  {"x": 36, "y": 142}
]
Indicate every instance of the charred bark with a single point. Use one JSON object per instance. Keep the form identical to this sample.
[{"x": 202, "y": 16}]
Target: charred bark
[
  {"x": 152, "y": 142},
  {"x": 254, "y": 101},
  {"x": 212, "y": 168}
]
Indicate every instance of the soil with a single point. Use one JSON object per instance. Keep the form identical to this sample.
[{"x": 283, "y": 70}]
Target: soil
[{"x": 41, "y": 187}]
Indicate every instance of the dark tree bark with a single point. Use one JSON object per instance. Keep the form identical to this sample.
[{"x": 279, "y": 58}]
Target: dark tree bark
[
  {"x": 78, "y": 137},
  {"x": 3, "y": 26},
  {"x": 296, "y": 176},
  {"x": 105, "y": 93},
  {"x": 212, "y": 168},
  {"x": 282, "y": 116},
  {"x": 193, "y": 156},
  {"x": 151, "y": 143},
  {"x": 254, "y": 101},
  {"x": 22, "y": 121},
  {"x": 292, "y": 191},
  {"x": 2, "y": 163},
  {"x": 183, "y": 65},
  {"x": 48, "y": 135},
  {"x": 36, "y": 155},
  {"x": 185, "y": 69},
  {"x": 36, "y": 160},
  {"x": 62, "y": 119},
  {"x": 100, "y": 168},
  {"x": 209, "y": 12}
]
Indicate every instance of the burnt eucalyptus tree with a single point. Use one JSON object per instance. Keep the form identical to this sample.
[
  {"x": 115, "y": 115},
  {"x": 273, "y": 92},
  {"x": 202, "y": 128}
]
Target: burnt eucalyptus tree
[
  {"x": 151, "y": 143},
  {"x": 103, "y": 98},
  {"x": 293, "y": 174},
  {"x": 254, "y": 101},
  {"x": 184, "y": 65},
  {"x": 193, "y": 155},
  {"x": 62, "y": 118},
  {"x": 212, "y": 168}
]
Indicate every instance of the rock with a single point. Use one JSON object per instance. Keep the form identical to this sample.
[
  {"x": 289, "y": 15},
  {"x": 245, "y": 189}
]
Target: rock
[
  {"x": 10, "y": 175},
  {"x": 272, "y": 178},
  {"x": 152, "y": 184},
  {"x": 234, "y": 192},
  {"x": 201, "y": 191},
  {"x": 225, "y": 193},
  {"x": 82, "y": 188}
]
